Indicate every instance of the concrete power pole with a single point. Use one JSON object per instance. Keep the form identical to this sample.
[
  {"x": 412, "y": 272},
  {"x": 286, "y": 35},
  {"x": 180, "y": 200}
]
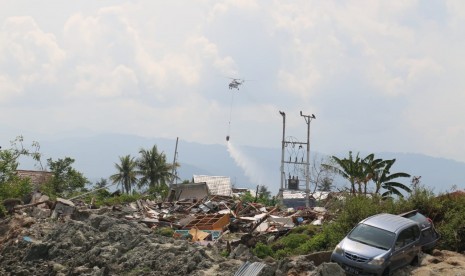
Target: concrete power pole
[
  {"x": 308, "y": 119},
  {"x": 283, "y": 144},
  {"x": 174, "y": 172}
]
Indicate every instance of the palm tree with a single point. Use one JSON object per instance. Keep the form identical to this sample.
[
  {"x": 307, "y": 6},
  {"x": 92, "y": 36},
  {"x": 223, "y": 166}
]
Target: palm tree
[
  {"x": 383, "y": 179},
  {"x": 153, "y": 168},
  {"x": 101, "y": 183},
  {"x": 369, "y": 167},
  {"x": 127, "y": 175},
  {"x": 361, "y": 171},
  {"x": 349, "y": 168}
]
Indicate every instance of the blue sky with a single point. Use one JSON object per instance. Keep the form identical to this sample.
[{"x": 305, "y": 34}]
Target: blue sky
[{"x": 379, "y": 75}]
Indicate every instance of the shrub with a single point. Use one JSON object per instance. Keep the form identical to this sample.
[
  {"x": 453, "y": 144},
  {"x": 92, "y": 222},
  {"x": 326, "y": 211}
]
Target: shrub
[
  {"x": 121, "y": 199},
  {"x": 282, "y": 253},
  {"x": 318, "y": 242},
  {"x": 453, "y": 232},
  {"x": 451, "y": 226},
  {"x": 291, "y": 241},
  {"x": 2, "y": 211},
  {"x": 224, "y": 253},
  {"x": 353, "y": 209},
  {"x": 262, "y": 250},
  {"x": 424, "y": 201},
  {"x": 307, "y": 229},
  {"x": 15, "y": 188},
  {"x": 165, "y": 231}
]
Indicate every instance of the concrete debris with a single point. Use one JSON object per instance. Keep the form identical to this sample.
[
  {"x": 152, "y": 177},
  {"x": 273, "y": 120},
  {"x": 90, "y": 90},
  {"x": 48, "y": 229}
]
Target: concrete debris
[{"x": 180, "y": 236}]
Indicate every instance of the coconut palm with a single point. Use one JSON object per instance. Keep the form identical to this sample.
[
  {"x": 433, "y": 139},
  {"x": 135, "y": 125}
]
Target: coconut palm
[
  {"x": 153, "y": 169},
  {"x": 126, "y": 175}
]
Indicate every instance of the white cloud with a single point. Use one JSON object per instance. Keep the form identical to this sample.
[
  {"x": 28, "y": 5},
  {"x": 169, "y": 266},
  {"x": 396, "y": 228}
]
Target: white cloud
[
  {"x": 28, "y": 55},
  {"x": 157, "y": 68},
  {"x": 95, "y": 82},
  {"x": 209, "y": 50},
  {"x": 222, "y": 7},
  {"x": 8, "y": 89}
]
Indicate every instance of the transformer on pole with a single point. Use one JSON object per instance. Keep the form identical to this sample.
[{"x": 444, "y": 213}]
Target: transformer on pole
[{"x": 294, "y": 182}]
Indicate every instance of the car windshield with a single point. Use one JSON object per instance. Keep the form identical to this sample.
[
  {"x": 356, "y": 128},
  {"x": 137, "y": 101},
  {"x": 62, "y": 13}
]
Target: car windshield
[{"x": 373, "y": 236}]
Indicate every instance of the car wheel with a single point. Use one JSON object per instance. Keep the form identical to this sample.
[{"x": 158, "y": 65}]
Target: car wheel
[
  {"x": 415, "y": 261},
  {"x": 386, "y": 272},
  {"x": 428, "y": 251}
]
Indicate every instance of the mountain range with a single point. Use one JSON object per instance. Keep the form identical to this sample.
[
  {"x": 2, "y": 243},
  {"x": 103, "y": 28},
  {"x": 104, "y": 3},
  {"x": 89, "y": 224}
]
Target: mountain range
[{"x": 247, "y": 166}]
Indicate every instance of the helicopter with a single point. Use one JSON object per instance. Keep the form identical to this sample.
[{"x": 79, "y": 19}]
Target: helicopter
[{"x": 235, "y": 83}]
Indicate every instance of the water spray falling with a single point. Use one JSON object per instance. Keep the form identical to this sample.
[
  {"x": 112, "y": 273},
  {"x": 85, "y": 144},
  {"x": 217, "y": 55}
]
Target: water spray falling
[{"x": 251, "y": 168}]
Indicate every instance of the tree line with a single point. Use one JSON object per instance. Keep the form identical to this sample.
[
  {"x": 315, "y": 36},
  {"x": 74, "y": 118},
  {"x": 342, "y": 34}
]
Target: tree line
[
  {"x": 149, "y": 172},
  {"x": 362, "y": 171}
]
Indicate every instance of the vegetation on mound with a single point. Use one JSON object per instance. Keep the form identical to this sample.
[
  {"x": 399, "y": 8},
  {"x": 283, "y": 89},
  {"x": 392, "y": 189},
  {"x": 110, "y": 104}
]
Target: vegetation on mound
[{"x": 446, "y": 211}]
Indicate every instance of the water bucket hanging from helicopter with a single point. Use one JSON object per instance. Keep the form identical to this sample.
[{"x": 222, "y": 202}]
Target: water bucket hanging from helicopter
[{"x": 234, "y": 84}]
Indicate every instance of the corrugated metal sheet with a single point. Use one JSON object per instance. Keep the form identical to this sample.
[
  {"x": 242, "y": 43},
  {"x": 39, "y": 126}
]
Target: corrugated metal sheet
[
  {"x": 288, "y": 194},
  {"x": 250, "y": 269},
  {"x": 217, "y": 185}
]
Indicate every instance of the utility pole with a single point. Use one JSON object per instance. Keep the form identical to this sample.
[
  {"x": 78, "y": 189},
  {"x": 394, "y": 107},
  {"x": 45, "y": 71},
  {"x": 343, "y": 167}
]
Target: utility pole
[
  {"x": 283, "y": 144},
  {"x": 174, "y": 173},
  {"x": 308, "y": 119}
]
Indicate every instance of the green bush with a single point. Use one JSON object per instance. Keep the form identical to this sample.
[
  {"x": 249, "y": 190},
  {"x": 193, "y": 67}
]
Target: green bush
[
  {"x": 15, "y": 188},
  {"x": 318, "y": 242},
  {"x": 307, "y": 229},
  {"x": 424, "y": 201},
  {"x": 224, "y": 253},
  {"x": 353, "y": 209},
  {"x": 2, "y": 211},
  {"x": 451, "y": 225},
  {"x": 121, "y": 199},
  {"x": 447, "y": 212},
  {"x": 282, "y": 253},
  {"x": 165, "y": 231},
  {"x": 291, "y": 241},
  {"x": 453, "y": 232},
  {"x": 262, "y": 250}
]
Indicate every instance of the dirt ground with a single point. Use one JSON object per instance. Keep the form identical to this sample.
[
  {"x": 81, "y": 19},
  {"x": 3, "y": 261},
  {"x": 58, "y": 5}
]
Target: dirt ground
[{"x": 440, "y": 263}]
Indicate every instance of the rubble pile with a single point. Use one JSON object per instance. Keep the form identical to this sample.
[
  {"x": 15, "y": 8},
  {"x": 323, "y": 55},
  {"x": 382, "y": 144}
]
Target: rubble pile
[
  {"x": 98, "y": 245},
  {"x": 211, "y": 236}
]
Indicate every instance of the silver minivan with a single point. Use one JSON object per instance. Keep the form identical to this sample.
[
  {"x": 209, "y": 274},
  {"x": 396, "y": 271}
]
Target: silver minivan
[{"x": 378, "y": 245}]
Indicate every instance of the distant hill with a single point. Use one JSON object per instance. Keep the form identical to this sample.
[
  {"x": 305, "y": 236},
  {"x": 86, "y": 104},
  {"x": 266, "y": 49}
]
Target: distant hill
[{"x": 247, "y": 166}]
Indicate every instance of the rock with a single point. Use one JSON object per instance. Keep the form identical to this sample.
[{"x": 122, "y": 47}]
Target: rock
[
  {"x": 78, "y": 238},
  {"x": 107, "y": 244},
  {"x": 81, "y": 270},
  {"x": 37, "y": 252},
  {"x": 319, "y": 257},
  {"x": 58, "y": 267},
  {"x": 239, "y": 251},
  {"x": 40, "y": 213},
  {"x": 328, "y": 269}
]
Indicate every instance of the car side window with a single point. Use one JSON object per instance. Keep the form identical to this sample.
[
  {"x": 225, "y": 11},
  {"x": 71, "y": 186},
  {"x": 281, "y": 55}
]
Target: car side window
[
  {"x": 416, "y": 232},
  {"x": 406, "y": 237}
]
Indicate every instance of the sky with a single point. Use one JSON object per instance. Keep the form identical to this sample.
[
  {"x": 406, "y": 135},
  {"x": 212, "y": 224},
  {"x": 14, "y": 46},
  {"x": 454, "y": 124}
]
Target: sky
[{"x": 380, "y": 76}]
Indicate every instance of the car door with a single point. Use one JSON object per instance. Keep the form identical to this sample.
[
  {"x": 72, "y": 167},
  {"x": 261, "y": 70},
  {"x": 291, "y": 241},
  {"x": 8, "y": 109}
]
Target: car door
[{"x": 405, "y": 247}]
